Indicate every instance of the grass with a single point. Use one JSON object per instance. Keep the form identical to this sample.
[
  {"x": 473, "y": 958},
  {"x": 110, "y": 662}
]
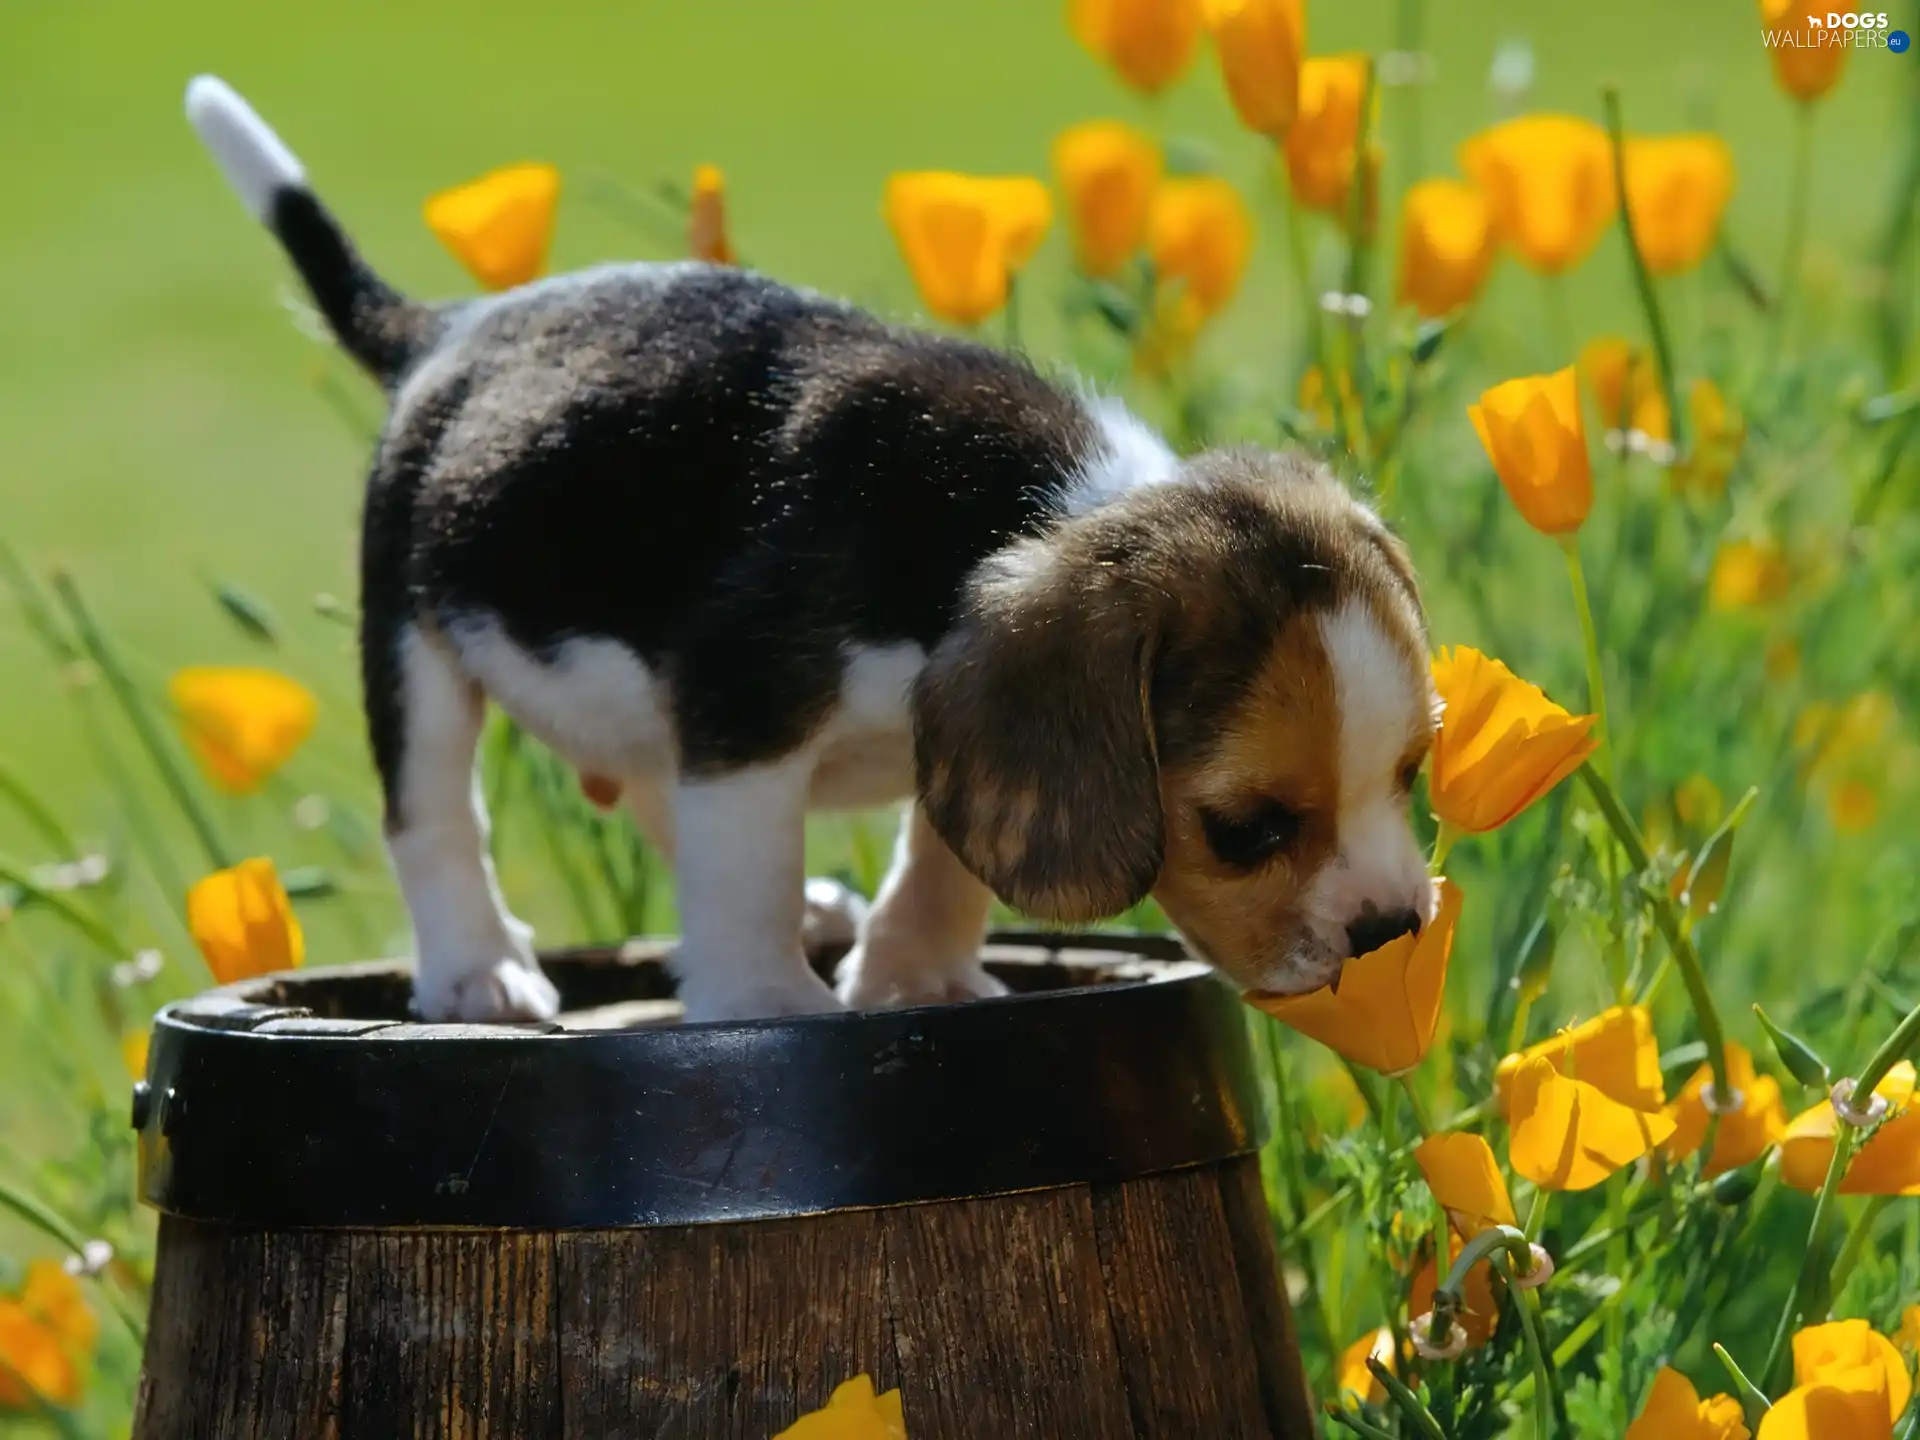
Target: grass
[{"x": 167, "y": 430}]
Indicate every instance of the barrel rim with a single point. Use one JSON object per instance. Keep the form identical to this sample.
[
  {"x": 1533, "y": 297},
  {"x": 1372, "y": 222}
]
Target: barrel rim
[{"x": 259, "y": 1110}]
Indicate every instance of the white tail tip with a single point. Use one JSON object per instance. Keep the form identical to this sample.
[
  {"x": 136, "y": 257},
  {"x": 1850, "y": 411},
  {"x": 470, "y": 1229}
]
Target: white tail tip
[{"x": 255, "y": 161}]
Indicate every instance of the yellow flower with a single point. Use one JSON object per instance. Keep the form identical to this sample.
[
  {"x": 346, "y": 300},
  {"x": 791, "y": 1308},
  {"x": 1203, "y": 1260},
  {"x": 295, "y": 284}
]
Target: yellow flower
[
  {"x": 1719, "y": 430},
  {"x": 1200, "y": 236},
  {"x": 244, "y": 923},
  {"x": 1888, "y": 1164},
  {"x": 1748, "y": 573},
  {"x": 1502, "y": 743},
  {"x": 1625, "y": 386},
  {"x": 1534, "y": 436},
  {"x": 853, "y": 1412},
  {"x": 1382, "y": 1011},
  {"x": 1848, "y": 1406},
  {"x": 242, "y": 724},
  {"x": 1616, "y": 1052},
  {"x": 1745, "y": 1133},
  {"x": 1260, "y": 44},
  {"x": 1108, "y": 172},
  {"x": 1315, "y": 401},
  {"x": 1822, "y": 1351},
  {"x": 1677, "y": 189},
  {"x": 44, "y": 1332},
  {"x": 1807, "y": 69},
  {"x": 707, "y": 218},
  {"x": 500, "y": 225},
  {"x": 964, "y": 236},
  {"x": 1908, "y": 1335},
  {"x": 1480, "y": 1314},
  {"x": 1320, "y": 143},
  {"x": 1549, "y": 180},
  {"x": 1465, "y": 1179},
  {"x": 1853, "y": 807},
  {"x": 1355, "y": 1378},
  {"x": 1675, "y": 1411},
  {"x": 1446, "y": 246},
  {"x": 1150, "y": 42},
  {"x": 133, "y": 1052},
  {"x": 1570, "y": 1135},
  {"x": 33, "y": 1362}
]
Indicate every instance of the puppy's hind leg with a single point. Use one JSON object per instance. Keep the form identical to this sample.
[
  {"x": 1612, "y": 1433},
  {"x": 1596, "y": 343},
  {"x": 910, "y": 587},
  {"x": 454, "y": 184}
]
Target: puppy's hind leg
[
  {"x": 740, "y": 876},
  {"x": 475, "y": 961},
  {"x": 920, "y": 945}
]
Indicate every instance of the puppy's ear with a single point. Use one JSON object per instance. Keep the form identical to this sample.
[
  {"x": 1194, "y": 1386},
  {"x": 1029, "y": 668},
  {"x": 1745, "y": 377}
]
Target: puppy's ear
[{"x": 1033, "y": 734}]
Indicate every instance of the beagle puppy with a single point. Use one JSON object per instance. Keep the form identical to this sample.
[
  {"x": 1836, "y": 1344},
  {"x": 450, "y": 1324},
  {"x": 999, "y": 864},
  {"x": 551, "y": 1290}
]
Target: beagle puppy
[{"x": 742, "y": 551}]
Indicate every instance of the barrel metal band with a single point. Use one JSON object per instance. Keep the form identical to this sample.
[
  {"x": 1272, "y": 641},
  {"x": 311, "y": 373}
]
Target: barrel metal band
[{"x": 269, "y": 1104}]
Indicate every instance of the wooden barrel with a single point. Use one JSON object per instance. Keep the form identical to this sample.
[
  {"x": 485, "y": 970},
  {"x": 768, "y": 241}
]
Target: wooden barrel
[{"x": 1039, "y": 1216}]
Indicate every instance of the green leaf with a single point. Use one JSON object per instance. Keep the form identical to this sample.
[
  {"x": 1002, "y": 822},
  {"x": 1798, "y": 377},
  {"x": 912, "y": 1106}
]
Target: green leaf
[
  {"x": 247, "y": 611},
  {"x": 1708, "y": 880},
  {"x": 1736, "y": 1187},
  {"x": 1799, "y": 1057}
]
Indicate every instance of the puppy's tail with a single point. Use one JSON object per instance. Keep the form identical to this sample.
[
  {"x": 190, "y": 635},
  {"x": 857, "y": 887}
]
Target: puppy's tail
[{"x": 377, "y": 325}]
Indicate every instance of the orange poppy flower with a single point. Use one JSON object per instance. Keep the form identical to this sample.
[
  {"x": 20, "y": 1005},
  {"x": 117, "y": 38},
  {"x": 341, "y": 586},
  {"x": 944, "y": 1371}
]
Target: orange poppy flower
[
  {"x": 965, "y": 236},
  {"x": 244, "y": 923},
  {"x": 1149, "y": 42},
  {"x": 1533, "y": 434},
  {"x": 1261, "y": 44},
  {"x": 241, "y": 723},
  {"x": 1502, "y": 743},
  {"x": 1549, "y": 181},
  {"x": 1446, "y": 246},
  {"x": 1108, "y": 172},
  {"x": 500, "y": 225}
]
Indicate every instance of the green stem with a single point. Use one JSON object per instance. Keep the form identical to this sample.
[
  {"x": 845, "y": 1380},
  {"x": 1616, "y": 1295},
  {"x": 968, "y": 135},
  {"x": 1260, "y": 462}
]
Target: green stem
[
  {"x": 1667, "y": 917},
  {"x": 1798, "y": 186},
  {"x": 1590, "y": 640},
  {"x": 1642, "y": 277},
  {"x": 1546, "y": 1385},
  {"x": 98, "y": 933},
  {"x": 1858, "y": 1238},
  {"x": 1811, "y": 1263},
  {"x": 61, "y": 1233},
  {"x": 1443, "y": 843},
  {"x": 1752, "y": 1399},
  {"x": 1014, "y": 342},
  {"x": 1420, "y": 1120},
  {"x": 164, "y": 760},
  {"x": 1895, "y": 1048},
  {"x": 36, "y": 813}
]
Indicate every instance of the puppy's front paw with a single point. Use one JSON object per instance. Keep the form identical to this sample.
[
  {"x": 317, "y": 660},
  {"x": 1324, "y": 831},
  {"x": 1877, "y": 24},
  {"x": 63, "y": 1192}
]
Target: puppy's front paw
[
  {"x": 870, "y": 981},
  {"x": 803, "y": 994},
  {"x": 509, "y": 989},
  {"x": 834, "y": 914}
]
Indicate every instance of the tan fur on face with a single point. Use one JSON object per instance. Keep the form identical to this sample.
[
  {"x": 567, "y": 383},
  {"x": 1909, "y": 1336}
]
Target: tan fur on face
[{"x": 1279, "y": 742}]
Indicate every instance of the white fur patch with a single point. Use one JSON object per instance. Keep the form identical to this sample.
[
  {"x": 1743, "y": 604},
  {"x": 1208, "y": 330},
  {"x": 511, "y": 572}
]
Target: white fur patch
[
  {"x": 1382, "y": 698},
  {"x": 255, "y": 161},
  {"x": 1127, "y": 456},
  {"x": 866, "y": 749},
  {"x": 474, "y": 960},
  {"x": 741, "y": 880},
  {"x": 594, "y": 702}
]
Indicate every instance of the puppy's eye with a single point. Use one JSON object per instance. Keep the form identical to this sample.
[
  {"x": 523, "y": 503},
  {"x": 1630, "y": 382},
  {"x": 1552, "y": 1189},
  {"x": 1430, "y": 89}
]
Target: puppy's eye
[
  {"x": 1409, "y": 773},
  {"x": 1245, "y": 841}
]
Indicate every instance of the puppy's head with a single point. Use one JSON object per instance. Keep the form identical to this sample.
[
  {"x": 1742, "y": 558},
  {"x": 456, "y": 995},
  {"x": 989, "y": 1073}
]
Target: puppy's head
[{"x": 1214, "y": 691}]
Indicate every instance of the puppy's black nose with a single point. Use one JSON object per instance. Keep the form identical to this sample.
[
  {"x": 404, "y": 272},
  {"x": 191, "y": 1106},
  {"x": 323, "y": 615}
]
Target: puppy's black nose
[{"x": 1374, "y": 929}]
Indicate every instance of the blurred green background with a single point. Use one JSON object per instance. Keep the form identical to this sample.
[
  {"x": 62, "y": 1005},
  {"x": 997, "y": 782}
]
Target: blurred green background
[{"x": 161, "y": 420}]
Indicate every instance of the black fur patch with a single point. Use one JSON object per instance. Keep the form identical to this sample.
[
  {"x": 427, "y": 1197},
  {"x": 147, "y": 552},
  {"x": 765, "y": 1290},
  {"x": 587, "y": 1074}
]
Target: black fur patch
[{"x": 734, "y": 479}]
